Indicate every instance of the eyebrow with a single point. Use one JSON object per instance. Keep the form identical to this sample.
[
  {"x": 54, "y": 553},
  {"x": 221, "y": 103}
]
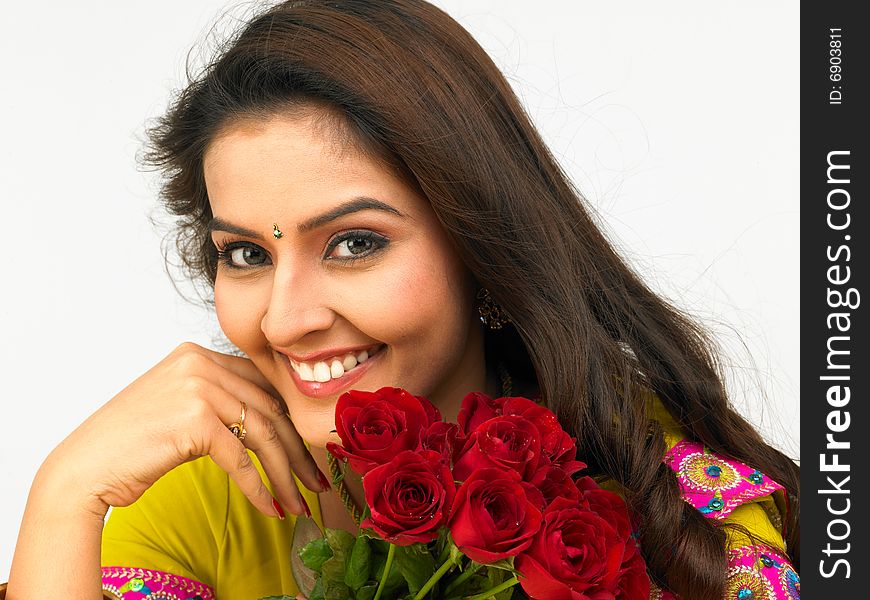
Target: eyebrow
[{"x": 351, "y": 206}]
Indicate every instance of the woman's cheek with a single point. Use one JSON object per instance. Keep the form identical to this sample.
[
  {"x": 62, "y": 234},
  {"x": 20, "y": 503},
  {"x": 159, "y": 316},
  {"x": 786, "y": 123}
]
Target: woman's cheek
[
  {"x": 237, "y": 317},
  {"x": 378, "y": 297}
]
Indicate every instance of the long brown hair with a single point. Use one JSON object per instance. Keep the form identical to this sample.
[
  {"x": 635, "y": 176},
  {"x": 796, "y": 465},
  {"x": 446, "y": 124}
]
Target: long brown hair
[{"x": 408, "y": 85}]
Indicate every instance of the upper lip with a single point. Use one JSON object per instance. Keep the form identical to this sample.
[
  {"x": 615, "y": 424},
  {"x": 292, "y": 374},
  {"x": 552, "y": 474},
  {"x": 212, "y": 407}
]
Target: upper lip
[{"x": 329, "y": 353}]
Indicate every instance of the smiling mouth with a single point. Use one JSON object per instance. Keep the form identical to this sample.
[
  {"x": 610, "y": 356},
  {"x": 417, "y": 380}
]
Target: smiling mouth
[{"x": 334, "y": 367}]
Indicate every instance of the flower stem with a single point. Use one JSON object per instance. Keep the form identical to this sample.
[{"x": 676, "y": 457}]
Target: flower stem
[
  {"x": 434, "y": 579},
  {"x": 390, "y": 554},
  {"x": 445, "y": 552},
  {"x": 499, "y": 588},
  {"x": 471, "y": 570}
]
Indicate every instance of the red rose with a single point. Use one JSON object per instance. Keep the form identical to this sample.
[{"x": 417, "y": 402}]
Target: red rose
[
  {"x": 633, "y": 577},
  {"x": 553, "y": 482},
  {"x": 432, "y": 413},
  {"x": 633, "y": 581},
  {"x": 508, "y": 442},
  {"x": 409, "y": 497},
  {"x": 578, "y": 555},
  {"x": 375, "y": 426},
  {"x": 475, "y": 409},
  {"x": 607, "y": 504},
  {"x": 441, "y": 437},
  {"x": 556, "y": 444},
  {"x": 495, "y": 515}
]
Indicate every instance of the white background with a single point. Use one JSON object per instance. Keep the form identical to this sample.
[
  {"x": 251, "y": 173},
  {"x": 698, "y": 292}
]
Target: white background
[{"x": 678, "y": 121}]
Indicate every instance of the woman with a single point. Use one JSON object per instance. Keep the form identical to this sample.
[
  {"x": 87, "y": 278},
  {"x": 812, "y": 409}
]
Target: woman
[{"x": 358, "y": 183}]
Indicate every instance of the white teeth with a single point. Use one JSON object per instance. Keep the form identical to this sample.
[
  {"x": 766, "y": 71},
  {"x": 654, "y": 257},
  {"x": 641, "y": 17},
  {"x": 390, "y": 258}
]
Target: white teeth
[
  {"x": 349, "y": 362},
  {"x": 305, "y": 372},
  {"x": 321, "y": 372},
  {"x": 336, "y": 369}
]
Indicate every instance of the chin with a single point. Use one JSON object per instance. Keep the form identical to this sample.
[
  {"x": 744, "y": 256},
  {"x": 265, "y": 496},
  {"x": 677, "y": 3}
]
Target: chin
[
  {"x": 320, "y": 439},
  {"x": 316, "y": 424}
]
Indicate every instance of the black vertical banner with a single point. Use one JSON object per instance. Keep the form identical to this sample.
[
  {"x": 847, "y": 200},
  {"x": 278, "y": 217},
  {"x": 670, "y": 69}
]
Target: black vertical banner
[{"x": 835, "y": 370}]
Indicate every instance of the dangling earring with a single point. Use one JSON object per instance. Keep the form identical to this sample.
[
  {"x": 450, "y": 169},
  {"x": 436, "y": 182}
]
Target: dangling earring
[{"x": 491, "y": 314}]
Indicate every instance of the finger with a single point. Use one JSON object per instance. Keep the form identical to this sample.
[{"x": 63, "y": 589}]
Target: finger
[
  {"x": 243, "y": 367},
  {"x": 261, "y": 437},
  {"x": 303, "y": 462},
  {"x": 240, "y": 377},
  {"x": 232, "y": 456},
  {"x": 300, "y": 459}
]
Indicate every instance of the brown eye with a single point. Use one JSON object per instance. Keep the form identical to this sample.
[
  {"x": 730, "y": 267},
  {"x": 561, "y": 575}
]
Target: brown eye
[
  {"x": 243, "y": 256},
  {"x": 248, "y": 256},
  {"x": 355, "y": 244}
]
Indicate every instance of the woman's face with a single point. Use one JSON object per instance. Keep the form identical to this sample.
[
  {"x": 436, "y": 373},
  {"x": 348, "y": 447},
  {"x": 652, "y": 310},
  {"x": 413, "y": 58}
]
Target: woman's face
[{"x": 362, "y": 289}]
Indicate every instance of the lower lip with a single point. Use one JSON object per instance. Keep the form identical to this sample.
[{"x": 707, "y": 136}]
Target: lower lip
[{"x": 316, "y": 389}]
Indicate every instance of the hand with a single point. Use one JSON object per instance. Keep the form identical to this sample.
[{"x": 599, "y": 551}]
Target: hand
[{"x": 179, "y": 411}]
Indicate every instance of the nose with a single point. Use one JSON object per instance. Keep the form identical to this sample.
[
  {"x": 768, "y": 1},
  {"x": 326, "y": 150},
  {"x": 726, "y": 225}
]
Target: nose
[{"x": 297, "y": 307}]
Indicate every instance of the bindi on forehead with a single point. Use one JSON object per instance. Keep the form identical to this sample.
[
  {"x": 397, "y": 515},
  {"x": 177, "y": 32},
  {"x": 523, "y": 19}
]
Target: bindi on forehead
[{"x": 357, "y": 204}]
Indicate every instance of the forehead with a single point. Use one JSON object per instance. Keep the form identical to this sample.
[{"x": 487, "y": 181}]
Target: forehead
[
  {"x": 327, "y": 124},
  {"x": 300, "y": 133},
  {"x": 293, "y": 165}
]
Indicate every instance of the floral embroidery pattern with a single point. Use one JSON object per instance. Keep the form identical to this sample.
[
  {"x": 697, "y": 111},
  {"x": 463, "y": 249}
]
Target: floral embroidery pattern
[
  {"x": 716, "y": 486},
  {"x": 759, "y": 573},
  {"x": 754, "y": 573},
  {"x": 747, "y": 583},
  {"x": 130, "y": 583},
  {"x": 709, "y": 472},
  {"x": 713, "y": 484}
]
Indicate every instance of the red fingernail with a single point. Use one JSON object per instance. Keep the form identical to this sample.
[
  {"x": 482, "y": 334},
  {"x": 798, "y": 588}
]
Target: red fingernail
[
  {"x": 324, "y": 482},
  {"x": 278, "y": 509},
  {"x": 305, "y": 506}
]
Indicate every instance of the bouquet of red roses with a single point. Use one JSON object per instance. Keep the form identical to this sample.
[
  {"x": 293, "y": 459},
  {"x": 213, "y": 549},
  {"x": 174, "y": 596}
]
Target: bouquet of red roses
[{"x": 471, "y": 509}]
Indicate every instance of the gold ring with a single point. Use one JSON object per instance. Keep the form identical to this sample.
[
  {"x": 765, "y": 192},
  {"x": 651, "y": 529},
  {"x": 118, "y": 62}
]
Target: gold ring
[{"x": 238, "y": 428}]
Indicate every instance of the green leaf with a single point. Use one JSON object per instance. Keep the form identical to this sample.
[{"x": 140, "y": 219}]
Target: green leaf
[
  {"x": 359, "y": 564},
  {"x": 495, "y": 577},
  {"x": 378, "y": 545},
  {"x": 304, "y": 532},
  {"x": 461, "y": 581},
  {"x": 506, "y": 564},
  {"x": 340, "y": 540},
  {"x": 317, "y": 591},
  {"x": 367, "y": 592},
  {"x": 416, "y": 565},
  {"x": 394, "y": 579},
  {"x": 315, "y": 553},
  {"x": 506, "y": 594},
  {"x": 336, "y": 591},
  {"x": 333, "y": 571}
]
